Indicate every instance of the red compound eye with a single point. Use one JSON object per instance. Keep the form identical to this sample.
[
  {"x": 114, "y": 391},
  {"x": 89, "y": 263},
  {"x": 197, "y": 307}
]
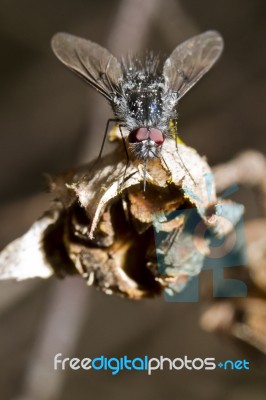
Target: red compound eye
[
  {"x": 138, "y": 135},
  {"x": 156, "y": 136}
]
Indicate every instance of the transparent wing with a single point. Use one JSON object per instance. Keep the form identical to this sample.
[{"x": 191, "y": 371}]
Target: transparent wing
[
  {"x": 191, "y": 60},
  {"x": 88, "y": 60}
]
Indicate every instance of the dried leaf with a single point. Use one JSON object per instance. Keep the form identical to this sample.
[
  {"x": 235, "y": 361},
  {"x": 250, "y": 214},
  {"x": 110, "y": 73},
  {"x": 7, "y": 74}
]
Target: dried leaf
[
  {"x": 105, "y": 227},
  {"x": 25, "y": 258}
]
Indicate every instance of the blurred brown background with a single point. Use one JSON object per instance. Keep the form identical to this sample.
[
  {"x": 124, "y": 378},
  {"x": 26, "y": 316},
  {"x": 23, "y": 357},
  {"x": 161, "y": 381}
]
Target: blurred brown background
[{"x": 51, "y": 121}]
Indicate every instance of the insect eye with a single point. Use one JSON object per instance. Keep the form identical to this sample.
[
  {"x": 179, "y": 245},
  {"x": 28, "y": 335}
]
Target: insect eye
[
  {"x": 157, "y": 136},
  {"x": 138, "y": 135}
]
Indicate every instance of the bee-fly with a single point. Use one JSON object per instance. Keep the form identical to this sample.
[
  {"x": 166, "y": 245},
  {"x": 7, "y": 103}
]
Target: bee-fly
[{"x": 143, "y": 96}]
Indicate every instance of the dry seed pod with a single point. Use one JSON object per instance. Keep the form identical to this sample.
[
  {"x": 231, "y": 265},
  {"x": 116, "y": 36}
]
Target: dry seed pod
[{"x": 105, "y": 227}]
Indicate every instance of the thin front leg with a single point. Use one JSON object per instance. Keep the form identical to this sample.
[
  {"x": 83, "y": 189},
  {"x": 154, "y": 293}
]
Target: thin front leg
[
  {"x": 105, "y": 134},
  {"x": 180, "y": 158},
  {"x": 102, "y": 145},
  {"x": 169, "y": 171},
  {"x": 125, "y": 146}
]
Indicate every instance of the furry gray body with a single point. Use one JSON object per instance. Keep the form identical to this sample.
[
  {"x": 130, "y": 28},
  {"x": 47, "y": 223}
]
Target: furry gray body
[{"x": 143, "y": 99}]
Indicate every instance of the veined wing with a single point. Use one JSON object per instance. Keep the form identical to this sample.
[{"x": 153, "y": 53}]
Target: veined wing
[
  {"x": 191, "y": 60},
  {"x": 90, "y": 61}
]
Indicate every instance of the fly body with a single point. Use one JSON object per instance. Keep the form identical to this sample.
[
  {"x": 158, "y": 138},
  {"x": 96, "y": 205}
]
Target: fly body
[
  {"x": 143, "y": 95},
  {"x": 145, "y": 105}
]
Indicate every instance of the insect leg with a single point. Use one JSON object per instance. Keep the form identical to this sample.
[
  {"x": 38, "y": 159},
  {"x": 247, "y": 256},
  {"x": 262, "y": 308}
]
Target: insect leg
[
  {"x": 170, "y": 179},
  {"x": 102, "y": 145},
  {"x": 124, "y": 143},
  {"x": 105, "y": 134},
  {"x": 94, "y": 164},
  {"x": 180, "y": 158},
  {"x": 160, "y": 157}
]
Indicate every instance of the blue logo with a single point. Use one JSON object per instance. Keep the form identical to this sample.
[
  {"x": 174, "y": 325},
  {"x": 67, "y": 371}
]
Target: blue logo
[
  {"x": 234, "y": 365},
  {"x": 183, "y": 254}
]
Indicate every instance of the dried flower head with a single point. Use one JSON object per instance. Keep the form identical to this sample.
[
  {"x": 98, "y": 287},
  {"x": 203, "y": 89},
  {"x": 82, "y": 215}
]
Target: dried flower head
[{"x": 120, "y": 238}]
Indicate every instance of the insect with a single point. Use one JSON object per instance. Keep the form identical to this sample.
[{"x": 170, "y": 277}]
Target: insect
[{"x": 143, "y": 96}]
